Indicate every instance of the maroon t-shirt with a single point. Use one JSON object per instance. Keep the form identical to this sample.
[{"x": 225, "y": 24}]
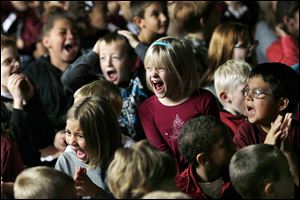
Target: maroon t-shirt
[
  {"x": 249, "y": 134},
  {"x": 232, "y": 121},
  {"x": 162, "y": 123},
  {"x": 187, "y": 182},
  {"x": 11, "y": 162}
]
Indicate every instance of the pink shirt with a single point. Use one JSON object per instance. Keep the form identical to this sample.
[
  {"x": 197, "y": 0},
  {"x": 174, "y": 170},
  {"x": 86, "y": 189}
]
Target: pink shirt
[
  {"x": 284, "y": 50},
  {"x": 162, "y": 123}
]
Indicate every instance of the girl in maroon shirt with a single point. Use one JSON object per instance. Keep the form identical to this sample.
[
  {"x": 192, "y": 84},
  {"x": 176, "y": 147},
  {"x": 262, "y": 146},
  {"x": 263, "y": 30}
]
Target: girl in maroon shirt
[{"x": 171, "y": 74}]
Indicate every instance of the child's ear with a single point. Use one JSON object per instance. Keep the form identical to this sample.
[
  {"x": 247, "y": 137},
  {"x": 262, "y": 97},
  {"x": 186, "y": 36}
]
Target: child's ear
[
  {"x": 46, "y": 41},
  {"x": 282, "y": 104},
  {"x": 138, "y": 21},
  {"x": 201, "y": 159},
  {"x": 268, "y": 189},
  {"x": 225, "y": 97}
]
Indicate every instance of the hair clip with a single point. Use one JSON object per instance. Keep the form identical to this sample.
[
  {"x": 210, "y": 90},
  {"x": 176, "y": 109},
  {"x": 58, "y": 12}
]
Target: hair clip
[{"x": 161, "y": 43}]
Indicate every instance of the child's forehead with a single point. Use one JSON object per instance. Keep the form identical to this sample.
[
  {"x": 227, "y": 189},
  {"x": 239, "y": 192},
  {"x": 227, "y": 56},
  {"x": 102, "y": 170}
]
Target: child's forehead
[
  {"x": 62, "y": 23},
  {"x": 257, "y": 81}
]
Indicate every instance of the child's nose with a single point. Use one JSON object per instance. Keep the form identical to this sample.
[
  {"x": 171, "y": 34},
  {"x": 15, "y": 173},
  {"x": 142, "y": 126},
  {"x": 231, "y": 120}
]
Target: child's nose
[{"x": 163, "y": 17}]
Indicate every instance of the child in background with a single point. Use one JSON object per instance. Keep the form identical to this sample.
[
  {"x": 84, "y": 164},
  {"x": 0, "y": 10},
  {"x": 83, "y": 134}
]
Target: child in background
[
  {"x": 197, "y": 20},
  {"x": 261, "y": 171},
  {"x": 107, "y": 90},
  {"x": 229, "y": 81},
  {"x": 113, "y": 59},
  {"x": 140, "y": 169},
  {"x": 151, "y": 17},
  {"x": 61, "y": 40},
  {"x": 206, "y": 144},
  {"x": 172, "y": 75},
  {"x": 44, "y": 183},
  {"x": 229, "y": 41},
  {"x": 286, "y": 48},
  {"x": 93, "y": 134},
  {"x": 21, "y": 110}
]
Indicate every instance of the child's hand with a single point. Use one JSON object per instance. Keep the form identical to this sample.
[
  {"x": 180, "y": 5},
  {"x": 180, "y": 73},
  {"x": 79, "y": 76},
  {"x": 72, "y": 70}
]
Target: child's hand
[
  {"x": 285, "y": 127},
  {"x": 60, "y": 140},
  {"x": 132, "y": 38},
  {"x": 280, "y": 30},
  {"x": 275, "y": 132},
  {"x": 84, "y": 185}
]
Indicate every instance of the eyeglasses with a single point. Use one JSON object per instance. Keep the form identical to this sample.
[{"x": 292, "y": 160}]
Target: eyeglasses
[
  {"x": 10, "y": 61},
  {"x": 256, "y": 93},
  {"x": 247, "y": 45}
]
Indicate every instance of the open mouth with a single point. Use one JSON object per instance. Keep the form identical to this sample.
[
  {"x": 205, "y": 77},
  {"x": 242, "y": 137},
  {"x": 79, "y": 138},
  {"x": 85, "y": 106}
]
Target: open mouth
[
  {"x": 80, "y": 154},
  {"x": 250, "y": 111},
  {"x": 68, "y": 47},
  {"x": 112, "y": 75},
  {"x": 158, "y": 85}
]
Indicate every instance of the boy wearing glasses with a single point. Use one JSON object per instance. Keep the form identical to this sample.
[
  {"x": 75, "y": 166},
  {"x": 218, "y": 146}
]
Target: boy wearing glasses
[
  {"x": 271, "y": 95},
  {"x": 21, "y": 115}
]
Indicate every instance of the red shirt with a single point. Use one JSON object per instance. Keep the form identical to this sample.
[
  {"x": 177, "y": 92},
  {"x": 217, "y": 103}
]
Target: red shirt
[
  {"x": 249, "y": 134},
  {"x": 187, "y": 183},
  {"x": 11, "y": 162},
  {"x": 232, "y": 121},
  {"x": 162, "y": 124},
  {"x": 284, "y": 50}
]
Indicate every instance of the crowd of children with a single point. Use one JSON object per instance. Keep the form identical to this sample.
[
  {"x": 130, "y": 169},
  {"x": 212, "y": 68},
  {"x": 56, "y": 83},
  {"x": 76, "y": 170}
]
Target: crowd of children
[{"x": 149, "y": 99}]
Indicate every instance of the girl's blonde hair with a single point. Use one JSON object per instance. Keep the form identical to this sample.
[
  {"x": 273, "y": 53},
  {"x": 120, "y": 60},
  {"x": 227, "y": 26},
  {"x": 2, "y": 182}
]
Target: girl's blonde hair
[
  {"x": 140, "y": 169},
  {"x": 225, "y": 36},
  {"x": 178, "y": 58},
  {"x": 100, "y": 129}
]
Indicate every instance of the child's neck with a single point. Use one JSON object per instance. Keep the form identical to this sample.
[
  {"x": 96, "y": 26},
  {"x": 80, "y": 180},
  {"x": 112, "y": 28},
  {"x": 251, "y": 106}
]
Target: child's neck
[
  {"x": 58, "y": 64},
  {"x": 172, "y": 102},
  {"x": 205, "y": 175}
]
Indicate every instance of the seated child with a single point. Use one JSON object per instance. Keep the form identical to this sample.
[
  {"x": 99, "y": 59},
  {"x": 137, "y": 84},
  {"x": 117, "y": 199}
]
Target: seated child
[
  {"x": 93, "y": 134},
  {"x": 113, "y": 59},
  {"x": 229, "y": 81},
  {"x": 272, "y": 90},
  {"x": 261, "y": 171},
  {"x": 205, "y": 142},
  {"x": 44, "y": 183},
  {"x": 140, "y": 169},
  {"x": 107, "y": 90}
]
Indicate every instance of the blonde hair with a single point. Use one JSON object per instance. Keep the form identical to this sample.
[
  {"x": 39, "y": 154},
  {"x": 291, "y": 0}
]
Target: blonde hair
[
  {"x": 230, "y": 75},
  {"x": 43, "y": 183},
  {"x": 140, "y": 169},
  {"x": 178, "y": 58},
  {"x": 103, "y": 89},
  {"x": 100, "y": 128},
  {"x": 225, "y": 36}
]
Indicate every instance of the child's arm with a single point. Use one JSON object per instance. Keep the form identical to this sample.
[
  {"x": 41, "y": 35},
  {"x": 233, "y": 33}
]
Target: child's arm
[
  {"x": 278, "y": 135},
  {"x": 285, "y": 147},
  {"x": 82, "y": 71},
  {"x": 85, "y": 186},
  {"x": 140, "y": 49}
]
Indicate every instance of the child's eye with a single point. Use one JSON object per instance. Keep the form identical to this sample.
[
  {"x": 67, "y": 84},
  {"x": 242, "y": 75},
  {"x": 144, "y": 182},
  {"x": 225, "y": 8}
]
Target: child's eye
[
  {"x": 67, "y": 132},
  {"x": 102, "y": 58},
  {"x": 116, "y": 57}
]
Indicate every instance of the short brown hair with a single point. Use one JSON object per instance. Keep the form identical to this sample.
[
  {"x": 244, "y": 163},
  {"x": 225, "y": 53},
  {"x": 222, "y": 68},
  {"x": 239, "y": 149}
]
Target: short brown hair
[{"x": 7, "y": 41}]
